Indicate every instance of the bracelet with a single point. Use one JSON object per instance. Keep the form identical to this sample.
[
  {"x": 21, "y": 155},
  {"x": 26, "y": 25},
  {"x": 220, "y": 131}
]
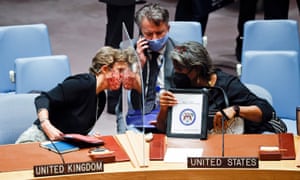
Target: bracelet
[{"x": 236, "y": 108}]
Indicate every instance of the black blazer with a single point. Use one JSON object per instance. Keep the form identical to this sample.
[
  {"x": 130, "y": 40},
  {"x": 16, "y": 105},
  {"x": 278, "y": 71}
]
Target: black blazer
[{"x": 169, "y": 73}]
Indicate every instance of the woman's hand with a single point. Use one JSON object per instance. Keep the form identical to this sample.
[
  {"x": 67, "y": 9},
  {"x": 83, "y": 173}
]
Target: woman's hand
[
  {"x": 131, "y": 80},
  {"x": 114, "y": 80},
  {"x": 52, "y": 132},
  {"x": 167, "y": 99},
  {"x": 219, "y": 116}
]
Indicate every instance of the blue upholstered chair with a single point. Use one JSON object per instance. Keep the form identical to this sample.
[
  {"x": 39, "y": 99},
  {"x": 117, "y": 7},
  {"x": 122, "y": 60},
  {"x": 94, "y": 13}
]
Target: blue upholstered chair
[
  {"x": 270, "y": 35},
  {"x": 180, "y": 31},
  {"x": 183, "y": 31},
  {"x": 17, "y": 114},
  {"x": 260, "y": 92},
  {"x": 279, "y": 73},
  {"x": 20, "y": 41},
  {"x": 40, "y": 73}
]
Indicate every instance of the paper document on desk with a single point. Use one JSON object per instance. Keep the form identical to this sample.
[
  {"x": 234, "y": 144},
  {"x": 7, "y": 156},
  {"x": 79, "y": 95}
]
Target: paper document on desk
[{"x": 181, "y": 154}]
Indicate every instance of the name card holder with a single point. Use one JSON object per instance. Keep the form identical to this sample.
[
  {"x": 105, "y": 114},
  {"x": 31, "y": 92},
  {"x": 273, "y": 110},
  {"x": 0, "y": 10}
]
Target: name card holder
[
  {"x": 222, "y": 162},
  {"x": 68, "y": 168}
]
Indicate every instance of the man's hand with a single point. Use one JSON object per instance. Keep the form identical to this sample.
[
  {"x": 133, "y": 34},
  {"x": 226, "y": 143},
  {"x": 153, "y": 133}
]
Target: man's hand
[{"x": 141, "y": 46}]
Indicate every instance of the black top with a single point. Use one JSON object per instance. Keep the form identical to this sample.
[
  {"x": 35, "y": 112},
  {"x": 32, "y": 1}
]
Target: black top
[
  {"x": 238, "y": 94},
  {"x": 72, "y": 104}
]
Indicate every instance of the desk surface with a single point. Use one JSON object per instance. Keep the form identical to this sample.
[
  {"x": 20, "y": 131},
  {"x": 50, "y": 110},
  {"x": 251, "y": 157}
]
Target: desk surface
[{"x": 284, "y": 169}]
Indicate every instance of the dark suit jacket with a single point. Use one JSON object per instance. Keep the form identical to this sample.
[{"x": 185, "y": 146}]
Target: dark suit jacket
[{"x": 168, "y": 71}]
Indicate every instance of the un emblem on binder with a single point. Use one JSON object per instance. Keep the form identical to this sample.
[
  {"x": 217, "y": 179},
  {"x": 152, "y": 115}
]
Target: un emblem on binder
[{"x": 187, "y": 117}]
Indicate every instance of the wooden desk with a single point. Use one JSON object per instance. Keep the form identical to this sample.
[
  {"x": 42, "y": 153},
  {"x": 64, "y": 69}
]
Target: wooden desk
[{"x": 284, "y": 169}]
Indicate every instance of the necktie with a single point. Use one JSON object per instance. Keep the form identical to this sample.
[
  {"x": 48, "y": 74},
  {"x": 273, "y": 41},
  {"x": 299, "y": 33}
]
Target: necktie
[{"x": 151, "y": 85}]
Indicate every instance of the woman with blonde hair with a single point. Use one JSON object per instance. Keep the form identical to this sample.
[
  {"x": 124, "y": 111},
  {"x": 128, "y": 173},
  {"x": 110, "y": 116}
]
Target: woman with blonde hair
[{"x": 75, "y": 105}]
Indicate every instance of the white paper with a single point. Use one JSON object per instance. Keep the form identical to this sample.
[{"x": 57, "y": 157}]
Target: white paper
[
  {"x": 187, "y": 114},
  {"x": 181, "y": 154}
]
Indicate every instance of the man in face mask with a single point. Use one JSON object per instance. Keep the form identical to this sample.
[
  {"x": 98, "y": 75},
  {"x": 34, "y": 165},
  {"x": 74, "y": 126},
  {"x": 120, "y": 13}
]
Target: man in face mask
[{"x": 153, "y": 47}]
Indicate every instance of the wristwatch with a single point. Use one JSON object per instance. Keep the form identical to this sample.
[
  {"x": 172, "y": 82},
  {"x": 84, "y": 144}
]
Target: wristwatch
[{"x": 236, "y": 108}]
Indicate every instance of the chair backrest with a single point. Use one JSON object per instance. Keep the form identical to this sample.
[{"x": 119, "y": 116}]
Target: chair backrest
[
  {"x": 183, "y": 31},
  {"x": 40, "y": 73},
  {"x": 20, "y": 41},
  {"x": 17, "y": 114},
  {"x": 273, "y": 35},
  {"x": 260, "y": 92},
  {"x": 180, "y": 31},
  {"x": 279, "y": 73}
]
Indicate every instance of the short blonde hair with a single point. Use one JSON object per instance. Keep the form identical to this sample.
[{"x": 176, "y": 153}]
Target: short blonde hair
[
  {"x": 108, "y": 56},
  {"x": 130, "y": 55},
  {"x": 104, "y": 56}
]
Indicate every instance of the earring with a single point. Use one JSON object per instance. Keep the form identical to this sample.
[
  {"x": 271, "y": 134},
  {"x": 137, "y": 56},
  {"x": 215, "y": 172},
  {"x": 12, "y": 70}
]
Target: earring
[{"x": 198, "y": 80}]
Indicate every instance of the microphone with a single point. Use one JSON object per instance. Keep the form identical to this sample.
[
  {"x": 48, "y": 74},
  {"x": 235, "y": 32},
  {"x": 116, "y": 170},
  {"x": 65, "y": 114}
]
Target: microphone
[
  {"x": 224, "y": 116},
  {"x": 58, "y": 151},
  {"x": 206, "y": 88},
  {"x": 223, "y": 161}
]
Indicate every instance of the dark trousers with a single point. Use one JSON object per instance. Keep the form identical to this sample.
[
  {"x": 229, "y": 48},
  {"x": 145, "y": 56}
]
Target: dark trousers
[
  {"x": 273, "y": 9},
  {"x": 193, "y": 10},
  {"x": 115, "y": 16}
]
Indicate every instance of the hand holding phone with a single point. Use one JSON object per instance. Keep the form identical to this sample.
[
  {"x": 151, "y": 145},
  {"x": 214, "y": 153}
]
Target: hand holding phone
[{"x": 141, "y": 48}]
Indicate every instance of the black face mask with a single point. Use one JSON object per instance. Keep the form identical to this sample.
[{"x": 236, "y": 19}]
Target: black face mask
[{"x": 182, "y": 81}]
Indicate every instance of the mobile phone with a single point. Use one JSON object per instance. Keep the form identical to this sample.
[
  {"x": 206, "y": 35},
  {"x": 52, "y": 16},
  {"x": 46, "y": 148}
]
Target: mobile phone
[
  {"x": 101, "y": 152},
  {"x": 146, "y": 53}
]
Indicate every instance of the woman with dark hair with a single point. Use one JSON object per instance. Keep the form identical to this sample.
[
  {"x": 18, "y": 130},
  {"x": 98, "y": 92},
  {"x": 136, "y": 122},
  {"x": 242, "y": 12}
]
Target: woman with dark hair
[{"x": 194, "y": 69}]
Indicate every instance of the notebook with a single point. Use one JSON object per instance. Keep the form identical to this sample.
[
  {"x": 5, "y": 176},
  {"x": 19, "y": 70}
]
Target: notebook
[
  {"x": 83, "y": 141},
  {"x": 59, "y": 146}
]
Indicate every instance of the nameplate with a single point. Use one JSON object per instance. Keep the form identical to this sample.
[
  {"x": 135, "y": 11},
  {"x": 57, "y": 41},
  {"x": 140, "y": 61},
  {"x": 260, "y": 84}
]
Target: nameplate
[
  {"x": 68, "y": 168},
  {"x": 222, "y": 162}
]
